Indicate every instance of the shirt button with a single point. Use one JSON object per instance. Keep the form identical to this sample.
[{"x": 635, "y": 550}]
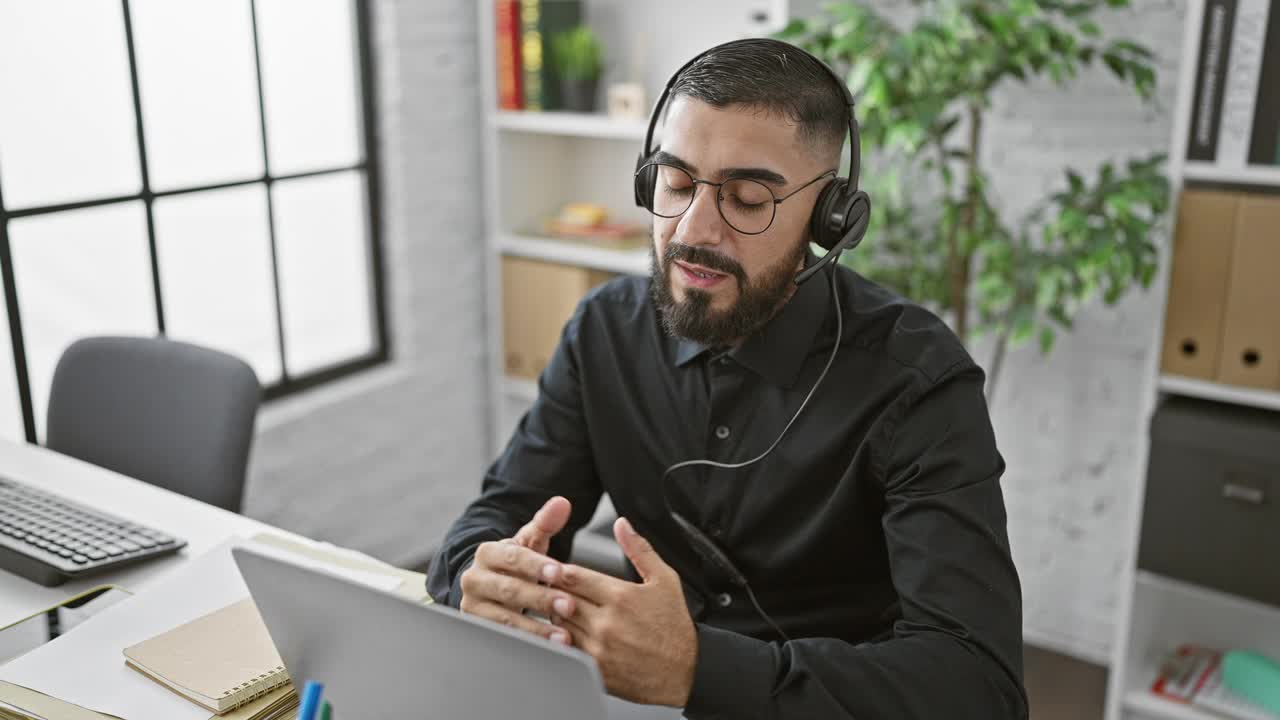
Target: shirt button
[
  {"x": 722, "y": 432},
  {"x": 724, "y": 599}
]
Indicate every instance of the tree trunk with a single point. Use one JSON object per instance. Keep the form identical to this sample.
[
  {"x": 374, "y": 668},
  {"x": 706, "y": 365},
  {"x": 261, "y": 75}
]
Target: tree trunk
[
  {"x": 997, "y": 364},
  {"x": 961, "y": 258}
]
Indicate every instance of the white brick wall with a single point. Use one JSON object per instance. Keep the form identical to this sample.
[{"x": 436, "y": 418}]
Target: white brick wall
[
  {"x": 1067, "y": 423},
  {"x": 384, "y": 462}
]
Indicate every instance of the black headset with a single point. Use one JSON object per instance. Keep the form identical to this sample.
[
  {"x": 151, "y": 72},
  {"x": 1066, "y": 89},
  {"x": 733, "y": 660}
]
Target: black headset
[
  {"x": 841, "y": 213},
  {"x": 838, "y": 223}
]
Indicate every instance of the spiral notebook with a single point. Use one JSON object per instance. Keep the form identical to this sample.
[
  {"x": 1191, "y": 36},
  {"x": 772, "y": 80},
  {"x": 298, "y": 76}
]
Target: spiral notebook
[{"x": 219, "y": 661}]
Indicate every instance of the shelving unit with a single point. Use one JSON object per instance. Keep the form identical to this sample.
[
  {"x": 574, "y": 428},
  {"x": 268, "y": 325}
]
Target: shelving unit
[
  {"x": 535, "y": 162},
  {"x": 1157, "y": 613}
]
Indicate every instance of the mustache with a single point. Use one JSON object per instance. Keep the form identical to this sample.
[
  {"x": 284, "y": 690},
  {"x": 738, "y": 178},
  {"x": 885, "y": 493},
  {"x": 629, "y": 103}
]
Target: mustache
[{"x": 706, "y": 258}]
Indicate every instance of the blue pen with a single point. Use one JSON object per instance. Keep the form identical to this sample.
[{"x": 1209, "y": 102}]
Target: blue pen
[{"x": 310, "y": 700}]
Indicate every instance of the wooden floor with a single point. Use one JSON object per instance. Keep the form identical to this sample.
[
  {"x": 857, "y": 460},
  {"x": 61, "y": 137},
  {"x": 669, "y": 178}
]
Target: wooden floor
[{"x": 1063, "y": 688}]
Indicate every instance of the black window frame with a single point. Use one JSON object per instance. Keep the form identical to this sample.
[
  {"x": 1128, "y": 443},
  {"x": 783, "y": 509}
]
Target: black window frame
[{"x": 287, "y": 384}]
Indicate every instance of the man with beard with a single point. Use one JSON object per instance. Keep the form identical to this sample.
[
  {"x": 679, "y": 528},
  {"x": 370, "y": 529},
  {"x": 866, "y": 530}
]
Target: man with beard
[{"x": 837, "y": 546}]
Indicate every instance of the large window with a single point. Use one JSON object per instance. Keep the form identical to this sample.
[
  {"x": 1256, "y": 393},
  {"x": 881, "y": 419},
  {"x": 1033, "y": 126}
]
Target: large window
[{"x": 202, "y": 170}]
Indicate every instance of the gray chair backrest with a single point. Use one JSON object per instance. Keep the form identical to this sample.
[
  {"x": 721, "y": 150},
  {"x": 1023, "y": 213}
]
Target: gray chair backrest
[{"x": 168, "y": 413}]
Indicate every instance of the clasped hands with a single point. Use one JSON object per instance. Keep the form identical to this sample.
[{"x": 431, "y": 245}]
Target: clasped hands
[{"x": 640, "y": 634}]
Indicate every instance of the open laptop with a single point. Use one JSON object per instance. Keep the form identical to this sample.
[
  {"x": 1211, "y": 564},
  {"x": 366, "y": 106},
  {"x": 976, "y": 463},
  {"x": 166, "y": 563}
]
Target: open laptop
[{"x": 382, "y": 656}]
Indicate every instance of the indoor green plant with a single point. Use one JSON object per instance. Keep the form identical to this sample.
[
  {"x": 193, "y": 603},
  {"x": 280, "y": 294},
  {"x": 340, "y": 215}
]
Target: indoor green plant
[
  {"x": 578, "y": 62},
  {"x": 923, "y": 92}
]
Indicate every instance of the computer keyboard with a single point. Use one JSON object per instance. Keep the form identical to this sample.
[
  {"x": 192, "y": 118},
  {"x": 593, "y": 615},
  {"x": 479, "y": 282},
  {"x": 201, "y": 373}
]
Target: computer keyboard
[{"x": 49, "y": 539}]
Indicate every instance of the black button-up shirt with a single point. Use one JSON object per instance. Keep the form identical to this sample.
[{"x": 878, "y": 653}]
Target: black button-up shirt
[{"x": 874, "y": 534}]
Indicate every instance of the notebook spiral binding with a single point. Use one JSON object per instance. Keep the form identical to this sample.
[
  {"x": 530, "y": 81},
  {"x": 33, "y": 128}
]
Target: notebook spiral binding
[{"x": 250, "y": 690}]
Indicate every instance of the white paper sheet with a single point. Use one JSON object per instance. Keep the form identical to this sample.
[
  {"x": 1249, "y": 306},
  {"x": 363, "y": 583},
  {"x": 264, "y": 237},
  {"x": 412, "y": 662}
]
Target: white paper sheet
[{"x": 86, "y": 667}]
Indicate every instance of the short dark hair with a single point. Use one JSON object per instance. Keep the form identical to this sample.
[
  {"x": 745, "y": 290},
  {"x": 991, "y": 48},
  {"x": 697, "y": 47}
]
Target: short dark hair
[{"x": 774, "y": 76}]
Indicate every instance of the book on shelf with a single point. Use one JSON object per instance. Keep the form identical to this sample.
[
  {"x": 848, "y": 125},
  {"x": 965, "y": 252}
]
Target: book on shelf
[
  {"x": 540, "y": 21},
  {"x": 587, "y": 222},
  {"x": 1192, "y": 675},
  {"x": 1235, "y": 120},
  {"x": 611, "y": 235},
  {"x": 507, "y": 44}
]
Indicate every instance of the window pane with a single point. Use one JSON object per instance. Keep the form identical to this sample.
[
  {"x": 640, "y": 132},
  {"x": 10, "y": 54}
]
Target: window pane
[
  {"x": 79, "y": 273},
  {"x": 322, "y": 247},
  {"x": 215, "y": 274},
  {"x": 199, "y": 91},
  {"x": 10, "y": 404},
  {"x": 66, "y": 103},
  {"x": 309, "y": 84}
]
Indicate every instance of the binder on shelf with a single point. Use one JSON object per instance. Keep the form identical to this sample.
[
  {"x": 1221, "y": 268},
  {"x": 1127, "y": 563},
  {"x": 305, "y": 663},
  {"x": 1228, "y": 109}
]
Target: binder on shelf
[
  {"x": 1251, "y": 333},
  {"x": 537, "y": 299},
  {"x": 1202, "y": 250}
]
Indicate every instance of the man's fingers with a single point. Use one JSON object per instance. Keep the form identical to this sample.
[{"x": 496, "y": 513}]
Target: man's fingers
[
  {"x": 578, "y": 635},
  {"x": 486, "y": 586},
  {"x": 511, "y": 618},
  {"x": 514, "y": 559},
  {"x": 646, "y": 560},
  {"x": 548, "y": 521},
  {"x": 595, "y": 587}
]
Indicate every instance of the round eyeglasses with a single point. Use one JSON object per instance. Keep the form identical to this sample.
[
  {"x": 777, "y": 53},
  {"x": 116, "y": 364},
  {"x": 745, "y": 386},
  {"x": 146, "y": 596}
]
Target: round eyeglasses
[{"x": 746, "y": 205}]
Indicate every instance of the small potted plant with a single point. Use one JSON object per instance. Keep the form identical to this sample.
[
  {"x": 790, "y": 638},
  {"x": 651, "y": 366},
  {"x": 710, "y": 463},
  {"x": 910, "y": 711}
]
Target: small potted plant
[{"x": 578, "y": 62}]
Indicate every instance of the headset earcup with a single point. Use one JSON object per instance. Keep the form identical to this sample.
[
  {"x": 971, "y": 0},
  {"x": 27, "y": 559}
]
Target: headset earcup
[
  {"x": 821, "y": 222},
  {"x": 646, "y": 177}
]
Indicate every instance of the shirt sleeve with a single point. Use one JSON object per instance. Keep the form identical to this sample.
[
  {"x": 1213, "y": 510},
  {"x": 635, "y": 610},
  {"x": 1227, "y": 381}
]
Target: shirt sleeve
[
  {"x": 549, "y": 454},
  {"x": 956, "y": 652}
]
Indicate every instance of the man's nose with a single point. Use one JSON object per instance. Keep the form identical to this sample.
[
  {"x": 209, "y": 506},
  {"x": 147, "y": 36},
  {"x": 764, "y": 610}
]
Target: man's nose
[{"x": 701, "y": 224}]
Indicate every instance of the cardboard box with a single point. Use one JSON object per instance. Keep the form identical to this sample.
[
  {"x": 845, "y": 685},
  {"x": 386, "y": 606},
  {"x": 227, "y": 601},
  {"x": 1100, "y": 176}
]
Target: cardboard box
[
  {"x": 537, "y": 299},
  {"x": 1202, "y": 249},
  {"x": 1251, "y": 333}
]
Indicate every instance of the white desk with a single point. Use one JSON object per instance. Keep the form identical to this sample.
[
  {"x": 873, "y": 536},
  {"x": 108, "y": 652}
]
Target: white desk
[{"x": 202, "y": 526}]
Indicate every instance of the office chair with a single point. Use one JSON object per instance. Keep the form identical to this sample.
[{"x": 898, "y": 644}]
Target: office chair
[{"x": 168, "y": 413}]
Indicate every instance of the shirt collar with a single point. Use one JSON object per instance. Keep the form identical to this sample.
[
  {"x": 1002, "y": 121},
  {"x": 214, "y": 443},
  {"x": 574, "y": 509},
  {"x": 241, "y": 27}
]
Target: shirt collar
[{"x": 778, "y": 350}]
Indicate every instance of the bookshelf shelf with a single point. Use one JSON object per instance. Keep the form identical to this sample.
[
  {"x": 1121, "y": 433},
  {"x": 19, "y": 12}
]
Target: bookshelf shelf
[
  {"x": 583, "y": 125},
  {"x": 1153, "y": 706},
  {"x": 629, "y": 262},
  {"x": 1256, "y": 175},
  {"x": 520, "y": 389},
  {"x": 1176, "y": 612},
  {"x": 1192, "y": 387}
]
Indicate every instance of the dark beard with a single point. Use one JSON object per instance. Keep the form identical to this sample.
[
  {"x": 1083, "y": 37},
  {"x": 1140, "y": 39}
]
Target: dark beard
[{"x": 693, "y": 319}]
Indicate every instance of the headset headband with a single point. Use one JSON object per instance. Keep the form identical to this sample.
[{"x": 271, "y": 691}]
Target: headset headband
[{"x": 855, "y": 153}]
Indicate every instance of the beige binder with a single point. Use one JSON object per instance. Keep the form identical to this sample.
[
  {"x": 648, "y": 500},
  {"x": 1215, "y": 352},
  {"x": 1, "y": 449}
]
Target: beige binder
[
  {"x": 537, "y": 299},
  {"x": 1202, "y": 250},
  {"x": 1251, "y": 336},
  {"x": 220, "y": 661}
]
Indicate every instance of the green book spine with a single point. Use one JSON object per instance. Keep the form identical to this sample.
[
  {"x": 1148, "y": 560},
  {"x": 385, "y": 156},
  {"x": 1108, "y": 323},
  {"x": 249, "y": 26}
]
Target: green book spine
[{"x": 541, "y": 20}]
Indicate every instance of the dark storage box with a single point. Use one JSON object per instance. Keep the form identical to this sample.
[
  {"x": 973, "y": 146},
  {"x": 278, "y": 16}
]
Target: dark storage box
[{"x": 1211, "y": 515}]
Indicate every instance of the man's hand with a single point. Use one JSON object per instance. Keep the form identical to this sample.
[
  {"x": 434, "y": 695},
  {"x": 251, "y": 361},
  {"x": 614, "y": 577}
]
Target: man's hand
[
  {"x": 503, "y": 581},
  {"x": 641, "y": 635}
]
